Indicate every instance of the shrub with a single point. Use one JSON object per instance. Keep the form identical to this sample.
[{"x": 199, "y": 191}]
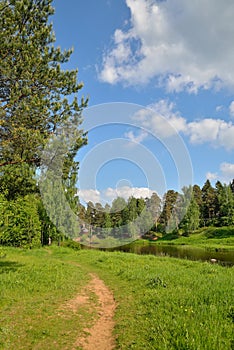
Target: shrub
[
  {"x": 70, "y": 244},
  {"x": 19, "y": 222}
]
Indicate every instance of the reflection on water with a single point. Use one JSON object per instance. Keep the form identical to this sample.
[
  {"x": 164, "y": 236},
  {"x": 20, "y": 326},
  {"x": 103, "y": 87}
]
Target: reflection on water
[{"x": 225, "y": 258}]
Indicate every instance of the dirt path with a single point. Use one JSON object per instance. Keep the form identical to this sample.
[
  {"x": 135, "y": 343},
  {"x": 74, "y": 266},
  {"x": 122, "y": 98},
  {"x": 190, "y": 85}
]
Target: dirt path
[{"x": 99, "y": 335}]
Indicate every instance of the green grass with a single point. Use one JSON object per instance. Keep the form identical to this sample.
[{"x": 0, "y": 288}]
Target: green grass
[
  {"x": 211, "y": 238},
  {"x": 163, "y": 303},
  {"x": 34, "y": 286},
  {"x": 167, "y": 303}
]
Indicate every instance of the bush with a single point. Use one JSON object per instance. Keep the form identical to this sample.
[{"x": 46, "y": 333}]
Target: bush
[
  {"x": 70, "y": 244},
  {"x": 19, "y": 222}
]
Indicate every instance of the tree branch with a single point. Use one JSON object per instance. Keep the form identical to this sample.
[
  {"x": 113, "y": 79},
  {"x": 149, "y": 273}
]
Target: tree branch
[{"x": 12, "y": 162}]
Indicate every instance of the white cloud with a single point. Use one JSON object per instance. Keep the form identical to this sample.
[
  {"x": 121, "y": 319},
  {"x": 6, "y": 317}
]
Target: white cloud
[
  {"x": 231, "y": 109},
  {"x": 205, "y": 130},
  {"x": 226, "y": 135},
  {"x": 185, "y": 44},
  {"x": 89, "y": 195},
  {"x": 211, "y": 176},
  {"x": 142, "y": 135},
  {"x": 219, "y": 108},
  {"x": 227, "y": 170},
  {"x": 109, "y": 194},
  {"x": 161, "y": 119},
  {"x": 226, "y": 173},
  {"x": 126, "y": 192},
  {"x": 164, "y": 121}
]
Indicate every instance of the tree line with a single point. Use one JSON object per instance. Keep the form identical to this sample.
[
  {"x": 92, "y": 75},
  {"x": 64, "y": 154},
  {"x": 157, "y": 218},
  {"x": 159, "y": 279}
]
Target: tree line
[{"x": 184, "y": 212}]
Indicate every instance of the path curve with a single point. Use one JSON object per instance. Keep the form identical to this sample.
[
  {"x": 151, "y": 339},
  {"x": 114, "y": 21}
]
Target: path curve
[{"x": 100, "y": 335}]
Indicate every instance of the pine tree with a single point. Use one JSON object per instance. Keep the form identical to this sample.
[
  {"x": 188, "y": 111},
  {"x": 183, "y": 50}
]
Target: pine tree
[
  {"x": 191, "y": 219},
  {"x": 197, "y": 193},
  {"x": 34, "y": 92},
  {"x": 99, "y": 215},
  {"x": 232, "y": 185},
  {"x": 225, "y": 199},
  {"x": 209, "y": 204},
  {"x": 169, "y": 200},
  {"x": 118, "y": 205},
  {"x": 132, "y": 209},
  {"x": 39, "y": 100},
  {"x": 90, "y": 213}
]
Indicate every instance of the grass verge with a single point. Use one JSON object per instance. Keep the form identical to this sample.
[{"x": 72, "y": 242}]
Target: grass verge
[{"x": 221, "y": 238}]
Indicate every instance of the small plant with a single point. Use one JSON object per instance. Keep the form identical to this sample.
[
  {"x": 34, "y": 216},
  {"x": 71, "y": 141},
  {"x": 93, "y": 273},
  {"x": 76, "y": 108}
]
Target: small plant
[
  {"x": 155, "y": 282},
  {"x": 2, "y": 253},
  {"x": 230, "y": 314}
]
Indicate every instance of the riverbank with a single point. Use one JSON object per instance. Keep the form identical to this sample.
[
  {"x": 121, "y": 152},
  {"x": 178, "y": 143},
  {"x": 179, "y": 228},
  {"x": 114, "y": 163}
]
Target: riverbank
[
  {"x": 211, "y": 238},
  {"x": 162, "y": 303}
]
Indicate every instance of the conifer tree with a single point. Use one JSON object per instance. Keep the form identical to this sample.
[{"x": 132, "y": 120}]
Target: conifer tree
[
  {"x": 34, "y": 91},
  {"x": 209, "y": 205},
  {"x": 169, "y": 201}
]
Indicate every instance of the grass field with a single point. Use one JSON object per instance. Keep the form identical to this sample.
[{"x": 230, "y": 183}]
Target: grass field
[
  {"x": 163, "y": 303},
  {"x": 211, "y": 238}
]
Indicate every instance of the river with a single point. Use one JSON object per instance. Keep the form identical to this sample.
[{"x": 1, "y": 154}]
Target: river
[{"x": 225, "y": 258}]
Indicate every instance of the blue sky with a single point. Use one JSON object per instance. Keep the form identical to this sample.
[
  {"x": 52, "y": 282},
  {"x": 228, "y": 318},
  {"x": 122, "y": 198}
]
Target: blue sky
[{"x": 170, "y": 66}]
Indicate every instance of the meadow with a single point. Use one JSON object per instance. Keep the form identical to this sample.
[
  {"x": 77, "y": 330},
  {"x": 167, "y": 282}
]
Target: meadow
[
  {"x": 210, "y": 237},
  {"x": 162, "y": 303}
]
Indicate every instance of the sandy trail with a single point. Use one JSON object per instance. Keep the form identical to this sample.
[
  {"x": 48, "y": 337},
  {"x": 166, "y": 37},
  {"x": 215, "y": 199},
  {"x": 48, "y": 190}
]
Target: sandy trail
[{"x": 99, "y": 335}]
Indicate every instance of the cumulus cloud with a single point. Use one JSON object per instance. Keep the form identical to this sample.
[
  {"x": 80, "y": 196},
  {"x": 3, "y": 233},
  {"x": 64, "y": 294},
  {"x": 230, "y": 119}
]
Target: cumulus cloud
[
  {"x": 127, "y": 192},
  {"x": 184, "y": 44},
  {"x": 164, "y": 121},
  {"x": 226, "y": 173},
  {"x": 214, "y": 131},
  {"x": 161, "y": 118},
  {"x": 211, "y": 176},
  {"x": 141, "y": 136},
  {"x": 89, "y": 195},
  {"x": 227, "y": 170},
  {"x": 109, "y": 194}
]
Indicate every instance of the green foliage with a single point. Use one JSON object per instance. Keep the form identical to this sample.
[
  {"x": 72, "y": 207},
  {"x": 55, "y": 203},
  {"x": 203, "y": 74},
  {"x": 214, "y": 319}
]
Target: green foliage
[
  {"x": 181, "y": 213},
  {"x": 56, "y": 205},
  {"x": 118, "y": 208},
  {"x": 191, "y": 219},
  {"x": 19, "y": 222},
  {"x": 209, "y": 201},
  {"x": 17, "y": 180},
  {"x": 167, "y": 217},
  {"x": 225, "y": 205},
  {"x": 49, "y": 232},
  {"x": 70, "y": 244},
  {"x": 39, "y": 100},
  {"x": 211, "y": 238},
  {"x": 34, "y": 88}
]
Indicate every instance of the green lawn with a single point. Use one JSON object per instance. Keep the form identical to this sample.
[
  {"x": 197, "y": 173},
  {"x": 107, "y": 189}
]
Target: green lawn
[
  {"x": 163, "y": 303},
  {"x": 211, "y": 238},
  {"x": 34, "y": 288}
]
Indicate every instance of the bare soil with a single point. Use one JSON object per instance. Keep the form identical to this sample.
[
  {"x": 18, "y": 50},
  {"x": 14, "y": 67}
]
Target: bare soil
[{"x": 99, "y": 336}]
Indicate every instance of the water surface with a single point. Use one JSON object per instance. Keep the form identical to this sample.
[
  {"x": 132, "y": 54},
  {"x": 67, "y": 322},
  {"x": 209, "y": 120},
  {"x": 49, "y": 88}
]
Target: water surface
[{"x": 225, "y": 258}]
